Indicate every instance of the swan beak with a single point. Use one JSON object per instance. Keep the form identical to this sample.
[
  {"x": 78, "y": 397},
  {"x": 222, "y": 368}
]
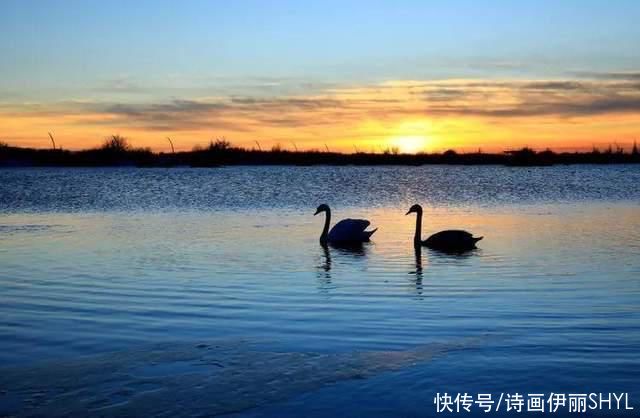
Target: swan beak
[
  {"x": 317, "y": 212},
  {"x": 407, "y": 213}
]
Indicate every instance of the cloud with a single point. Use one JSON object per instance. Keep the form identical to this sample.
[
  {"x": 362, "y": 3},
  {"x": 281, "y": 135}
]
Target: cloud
[
  {"x": 590, "y": 107},
  {"x": 175, "y": 114},
  {"x": 554, "y": 85},
  {"x": 615, "y": 75},
  {"x": 563, "y": 98},
  {"x": 176, "y": 86},
  {"x": 609, "y": 93}
]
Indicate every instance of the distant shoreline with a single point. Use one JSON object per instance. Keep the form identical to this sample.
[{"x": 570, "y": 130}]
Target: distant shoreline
[{"x": 116, "y": 153}]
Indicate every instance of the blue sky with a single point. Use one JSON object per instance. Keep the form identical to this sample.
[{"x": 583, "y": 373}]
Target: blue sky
[{"x": 55, "y": 49}]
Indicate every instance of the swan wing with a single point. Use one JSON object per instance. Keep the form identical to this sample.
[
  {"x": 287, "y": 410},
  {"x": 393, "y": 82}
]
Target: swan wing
[
  {"x": 451, "y": 238},
  {"x": 454, "y": 233},
  {"x": 349, "y": 230}
]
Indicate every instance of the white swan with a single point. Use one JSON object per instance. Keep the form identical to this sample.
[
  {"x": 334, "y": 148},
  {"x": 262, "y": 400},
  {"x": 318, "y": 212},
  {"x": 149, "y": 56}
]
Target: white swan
[
  {"x": 454, "y": 241},
  {"x": 345, "y": 232}
]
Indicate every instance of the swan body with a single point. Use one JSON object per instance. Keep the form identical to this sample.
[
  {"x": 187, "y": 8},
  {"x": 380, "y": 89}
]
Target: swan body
[
  {"x": 451, "y": 239},
  {"x": 448, "y": 241},
  {"x": 347, "y": 231}
]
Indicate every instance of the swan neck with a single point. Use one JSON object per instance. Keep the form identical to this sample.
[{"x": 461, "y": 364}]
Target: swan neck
[
  {"x": 325, "y": 229},
  {"x": 417, "y": 238}
]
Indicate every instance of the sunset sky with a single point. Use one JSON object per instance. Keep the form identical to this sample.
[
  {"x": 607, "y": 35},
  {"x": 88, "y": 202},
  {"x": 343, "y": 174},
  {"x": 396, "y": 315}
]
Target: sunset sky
[{"x": 419, "y": 75}]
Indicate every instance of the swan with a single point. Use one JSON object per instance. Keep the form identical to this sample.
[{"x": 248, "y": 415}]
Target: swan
[
  {"x": 345, "y": 232},
  {"x": 447, "y": 241}
]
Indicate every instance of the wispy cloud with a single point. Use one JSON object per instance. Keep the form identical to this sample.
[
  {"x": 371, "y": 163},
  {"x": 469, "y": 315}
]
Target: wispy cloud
[
  {"x": 613, "y": 75},
  {"x": 516, "y": 98},
  {"x": 337, "y": 109}
]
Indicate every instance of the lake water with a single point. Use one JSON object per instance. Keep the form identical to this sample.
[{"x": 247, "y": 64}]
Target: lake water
[{"x": 198, "y": 292}]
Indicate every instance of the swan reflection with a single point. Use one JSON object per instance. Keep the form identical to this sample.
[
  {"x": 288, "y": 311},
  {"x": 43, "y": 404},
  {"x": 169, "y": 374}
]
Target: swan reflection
[
  {"x": 347, "y": 253},
  {"x": 326, "y": 259},
  {"x": 453, "y": 256},
  {"x": 418, "y": 269}
]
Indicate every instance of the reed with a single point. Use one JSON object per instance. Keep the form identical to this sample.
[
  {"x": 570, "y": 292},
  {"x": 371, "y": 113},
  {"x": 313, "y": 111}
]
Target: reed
[{"x": 53, "y": 141}]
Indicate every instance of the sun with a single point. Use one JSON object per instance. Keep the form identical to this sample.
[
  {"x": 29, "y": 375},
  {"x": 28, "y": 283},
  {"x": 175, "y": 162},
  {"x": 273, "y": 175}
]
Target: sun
[
  {"x": 410, "y": 144},
  {"x": 412, "y": 136}
]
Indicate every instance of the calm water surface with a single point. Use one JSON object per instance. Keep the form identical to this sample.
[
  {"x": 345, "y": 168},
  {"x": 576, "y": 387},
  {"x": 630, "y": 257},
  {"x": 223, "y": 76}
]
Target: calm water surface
[{"x": 96, "y": 261}]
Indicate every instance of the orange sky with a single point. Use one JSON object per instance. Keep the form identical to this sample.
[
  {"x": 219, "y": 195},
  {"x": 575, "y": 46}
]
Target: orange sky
[{"x": 413, "y": 115}]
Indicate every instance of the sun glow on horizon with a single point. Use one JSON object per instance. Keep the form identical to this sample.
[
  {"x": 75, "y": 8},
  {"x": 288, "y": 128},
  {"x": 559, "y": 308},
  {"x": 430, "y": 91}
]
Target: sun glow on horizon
[
  {"x": 413, "y": 136},
  {"x": 409, "y": 144}
]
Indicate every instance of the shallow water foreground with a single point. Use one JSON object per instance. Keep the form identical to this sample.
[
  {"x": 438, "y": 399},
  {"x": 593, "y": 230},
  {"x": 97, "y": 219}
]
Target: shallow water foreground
[{"x": 208, "y": 379}]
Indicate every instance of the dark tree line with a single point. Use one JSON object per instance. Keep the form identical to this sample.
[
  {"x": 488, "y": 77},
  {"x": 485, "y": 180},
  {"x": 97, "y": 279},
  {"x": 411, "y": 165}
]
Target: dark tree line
[{"x": 116, "y": 151}]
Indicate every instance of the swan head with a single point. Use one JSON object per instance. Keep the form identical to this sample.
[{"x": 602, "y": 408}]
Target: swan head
[
  {"x": 414, "y": 209},
  {"x": 322, "y": 208}
]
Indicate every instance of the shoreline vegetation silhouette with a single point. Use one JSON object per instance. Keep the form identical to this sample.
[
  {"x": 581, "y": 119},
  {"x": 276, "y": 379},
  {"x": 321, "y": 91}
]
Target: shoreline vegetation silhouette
[{"x": 117, "y": 151}]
